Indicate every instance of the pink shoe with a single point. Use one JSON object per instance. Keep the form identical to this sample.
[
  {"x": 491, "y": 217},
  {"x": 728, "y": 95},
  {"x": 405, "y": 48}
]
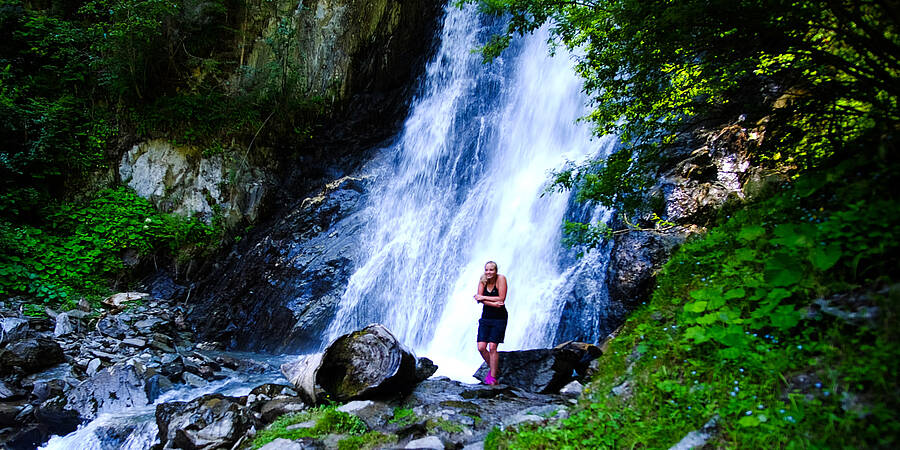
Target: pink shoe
[{"x": 490, "y": 380}]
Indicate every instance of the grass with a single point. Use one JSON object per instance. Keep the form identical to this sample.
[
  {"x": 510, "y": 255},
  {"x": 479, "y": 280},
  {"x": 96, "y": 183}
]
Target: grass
[{"x": 328, "y": 420}]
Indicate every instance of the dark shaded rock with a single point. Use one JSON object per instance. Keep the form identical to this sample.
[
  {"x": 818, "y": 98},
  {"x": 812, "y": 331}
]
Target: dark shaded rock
[
  {"x": 157, "y": 385},
  {"x": 116, "y": 387},
  {"x": 425, "y": 368},
  {"x": 55, "y": 418},
  {"x": 280, "y": 406},
  {"x": 27, "y": 437},
  {"x": 634, "y": 261},
  {"x": 113, "y": 326},
  {"x": 543, "y": 370},
  {"x": 30, "y": 355},
  {"x": 44, "y": 389},
  {"x": 9, "y": 410},
  {"x": 161, "y": 285},
  {"x": 208, "y": 422}
]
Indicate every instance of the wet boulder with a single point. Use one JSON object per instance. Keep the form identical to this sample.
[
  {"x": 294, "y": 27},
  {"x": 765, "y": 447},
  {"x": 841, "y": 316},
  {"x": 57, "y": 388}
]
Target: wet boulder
[
  {"x": 116, "y": 387},
  {"x": 368, "y": 363},
  {"x": 208, "y": 422},
  {"x": 544, "y": 370}
]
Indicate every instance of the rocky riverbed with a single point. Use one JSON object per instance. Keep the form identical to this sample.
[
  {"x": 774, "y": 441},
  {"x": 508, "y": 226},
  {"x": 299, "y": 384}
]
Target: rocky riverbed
[{"x": 132, "y": 376}]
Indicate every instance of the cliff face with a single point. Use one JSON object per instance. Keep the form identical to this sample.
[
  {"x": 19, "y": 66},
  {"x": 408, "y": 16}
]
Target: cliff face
[{"x": 357, "y": 59}]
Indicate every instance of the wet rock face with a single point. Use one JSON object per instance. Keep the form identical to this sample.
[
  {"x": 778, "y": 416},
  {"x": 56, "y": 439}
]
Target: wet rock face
[{"x": 280, "y": 293}]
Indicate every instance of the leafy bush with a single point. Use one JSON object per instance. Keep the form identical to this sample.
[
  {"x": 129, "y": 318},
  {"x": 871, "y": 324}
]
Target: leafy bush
[{"x": 83, "y": 244}]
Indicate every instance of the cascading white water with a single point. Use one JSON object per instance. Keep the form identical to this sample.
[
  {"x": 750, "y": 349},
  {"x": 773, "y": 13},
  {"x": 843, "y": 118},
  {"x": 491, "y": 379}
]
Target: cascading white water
[{"x": 462, "y": 185}]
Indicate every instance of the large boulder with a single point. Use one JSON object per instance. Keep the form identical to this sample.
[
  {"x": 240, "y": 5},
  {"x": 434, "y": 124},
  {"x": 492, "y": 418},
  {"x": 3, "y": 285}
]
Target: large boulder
[
  {"x": 30, "y": 355},
  {"x": 111, "y": 389},
  {"x": 368, "y": 363},
  {"x": 543, "y": 370},
  {"x": 209, "y": 422}
]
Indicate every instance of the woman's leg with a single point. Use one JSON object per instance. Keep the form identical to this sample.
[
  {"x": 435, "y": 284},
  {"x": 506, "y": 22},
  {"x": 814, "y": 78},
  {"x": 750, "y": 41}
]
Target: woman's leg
[
  {"x": 482, "y": 348},
  {"x": 494, "y": 359}
]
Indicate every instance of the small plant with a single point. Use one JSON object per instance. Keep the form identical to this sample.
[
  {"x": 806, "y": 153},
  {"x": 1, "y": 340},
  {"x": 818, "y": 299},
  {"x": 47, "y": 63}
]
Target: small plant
[
  {"x": 367, "y": 441},
  {"x": 403, "y": 417}
]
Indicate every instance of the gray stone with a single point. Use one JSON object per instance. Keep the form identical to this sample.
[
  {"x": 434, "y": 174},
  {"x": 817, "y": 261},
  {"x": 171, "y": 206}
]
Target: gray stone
[
  {"x": 111, "y": 389},
  {"x": 148, "y": 324},
  {"x": 135, "y": 342},
  {"x": 93, "y": 367},
  {"x": 283, "y": 444},
  {"x": 356, "y": 405},
  {"x": 572, "y": 389},
  {"x": 193, "y": 380},
  {"x": 697, "y": 438},
  {"x": 543, "y": 370},
  {"x": 367, "y": 363},
  {"x": 6, "y": 392},
  {"x": 428, "y": 442},
  {"x": 64, "y": 326},
  {"x": 12, "y": 329}
]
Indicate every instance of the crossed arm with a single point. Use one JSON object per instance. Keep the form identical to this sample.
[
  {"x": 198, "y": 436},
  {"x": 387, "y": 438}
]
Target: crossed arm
[{"x": 497, "y": 301}]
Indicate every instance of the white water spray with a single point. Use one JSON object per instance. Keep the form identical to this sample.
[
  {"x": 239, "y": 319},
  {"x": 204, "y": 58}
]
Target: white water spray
[{"x": 463, "y": 185}]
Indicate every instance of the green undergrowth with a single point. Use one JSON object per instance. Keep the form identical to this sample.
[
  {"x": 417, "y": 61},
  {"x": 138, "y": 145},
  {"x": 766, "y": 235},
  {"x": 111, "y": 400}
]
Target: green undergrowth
[
  {"x": 328, "y": 420},
  {"x": 367, "y": 441},
  {"x": 78, "y": 248},
  {"x": 778, "y": 326}
]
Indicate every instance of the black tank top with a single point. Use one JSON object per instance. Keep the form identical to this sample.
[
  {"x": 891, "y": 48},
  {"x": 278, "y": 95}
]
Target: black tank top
[{"x": 491, "y": 312}]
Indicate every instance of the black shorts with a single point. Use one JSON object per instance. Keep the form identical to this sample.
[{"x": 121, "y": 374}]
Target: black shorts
[{"x": 491, "y": 330}]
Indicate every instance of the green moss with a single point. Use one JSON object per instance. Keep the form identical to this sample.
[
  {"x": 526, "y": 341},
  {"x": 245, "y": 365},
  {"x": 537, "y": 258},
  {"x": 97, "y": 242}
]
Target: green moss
[
  {"x": 404, "y": 417},
  {"x": 328, "y": 420},
  {"x": 367, "y": 441},
  {"x": 443, "y": 425}
]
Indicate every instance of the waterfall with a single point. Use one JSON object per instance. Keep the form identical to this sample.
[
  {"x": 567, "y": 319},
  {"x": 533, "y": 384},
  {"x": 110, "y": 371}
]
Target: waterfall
[{"x": 462, "y": 184}]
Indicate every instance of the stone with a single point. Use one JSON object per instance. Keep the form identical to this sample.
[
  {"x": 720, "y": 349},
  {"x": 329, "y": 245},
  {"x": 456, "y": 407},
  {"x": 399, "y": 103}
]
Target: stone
[
  {"x": 113, "y": 326},
  {"x": 135, "y": 342},
  {"x": 7, "y": 392},
  {"x": 64, "y": 326},
  {"x": 542, "y": 370},
  {"x": 211, "y": 421},
  {"x": 12, "y": 329},
  {"x": 280, "y": 406},
  {"x": 114, "y": 388},
  {"x": 428, "y": 442},
  {"x": 119, "y": 301},
  {"x": 148, "y": 324},
  {"x": 30, "y": 355},
  {"x": 283, "y": 444},
  {"x": 364, "y": 364},
  {"x": 573, "y": 389},
  {"x": 697, "y": 438},
  {"x": 193, "y": 380}
]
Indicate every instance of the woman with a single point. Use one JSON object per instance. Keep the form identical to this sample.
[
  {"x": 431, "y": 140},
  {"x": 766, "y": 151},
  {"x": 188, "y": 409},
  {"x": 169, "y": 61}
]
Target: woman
[{"x": 491, "y": 293}]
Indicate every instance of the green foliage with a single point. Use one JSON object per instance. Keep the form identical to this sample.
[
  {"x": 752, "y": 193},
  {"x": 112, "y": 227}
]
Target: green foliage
[
  {"x": 732, "y": 331},
  {"x": 820, "y": 74},
  {"x": 82, "y": 244},
  {"x": 367, "y": 441},
  {"x": 404, "y": 416},
  {"x": 328, "y": 420}
]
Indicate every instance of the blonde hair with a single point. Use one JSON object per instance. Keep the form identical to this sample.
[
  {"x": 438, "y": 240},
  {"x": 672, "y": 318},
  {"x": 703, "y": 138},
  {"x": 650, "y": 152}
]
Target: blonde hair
[{"x": 484, "y": 279}]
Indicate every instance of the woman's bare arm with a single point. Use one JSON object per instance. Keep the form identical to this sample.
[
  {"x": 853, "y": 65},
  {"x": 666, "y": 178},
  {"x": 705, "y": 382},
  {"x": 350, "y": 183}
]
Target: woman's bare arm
[{"x": 497, "y": 301}]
